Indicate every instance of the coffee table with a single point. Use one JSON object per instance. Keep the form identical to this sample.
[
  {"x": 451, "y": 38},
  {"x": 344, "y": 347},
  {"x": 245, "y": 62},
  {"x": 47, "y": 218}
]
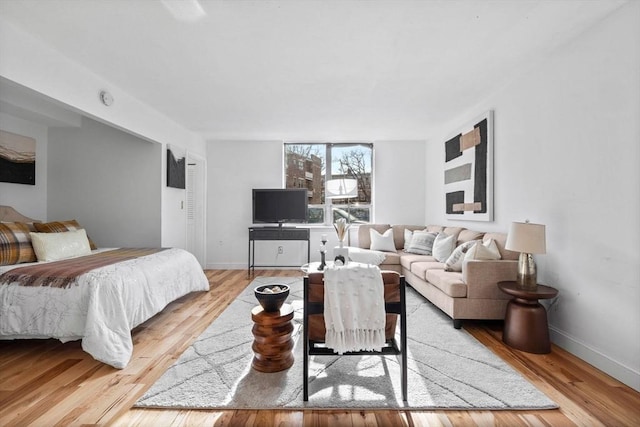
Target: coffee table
[
  {"x": 272, "y": 345},
  {"x": 525, "y": 322}
]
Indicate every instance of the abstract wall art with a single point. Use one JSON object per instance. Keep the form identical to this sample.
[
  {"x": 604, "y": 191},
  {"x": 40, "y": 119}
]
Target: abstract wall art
[
  {"x": 17, "y": 158},
  {"x": 176, "y": 166},
  {"x": 468, "y": 171}
]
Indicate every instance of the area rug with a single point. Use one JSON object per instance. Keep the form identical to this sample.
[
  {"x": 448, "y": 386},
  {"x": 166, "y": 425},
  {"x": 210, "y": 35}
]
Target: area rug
[{"x": 448, "y": 369}]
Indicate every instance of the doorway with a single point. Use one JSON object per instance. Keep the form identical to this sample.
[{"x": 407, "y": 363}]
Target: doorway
[{"x": 196, "y": 211}]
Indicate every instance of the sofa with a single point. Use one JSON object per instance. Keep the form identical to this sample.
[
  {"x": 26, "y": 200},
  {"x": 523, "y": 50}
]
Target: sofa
[{"x": 468, "y": 294}]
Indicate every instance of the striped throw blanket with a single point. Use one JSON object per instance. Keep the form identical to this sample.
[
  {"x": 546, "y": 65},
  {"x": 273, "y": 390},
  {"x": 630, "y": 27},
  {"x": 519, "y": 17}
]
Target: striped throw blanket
[{"x": 63, "y": 274}]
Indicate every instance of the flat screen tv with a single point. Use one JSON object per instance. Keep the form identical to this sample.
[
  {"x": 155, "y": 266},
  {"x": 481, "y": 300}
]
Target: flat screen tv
[{"x": 280, "y": 205}]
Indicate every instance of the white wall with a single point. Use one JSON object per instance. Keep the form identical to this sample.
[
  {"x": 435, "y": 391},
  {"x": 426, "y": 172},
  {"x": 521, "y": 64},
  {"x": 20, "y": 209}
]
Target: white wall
[
  {"x": 236, "y": 167},
  {"x": 29, "y": 62},
  {"x": 29, "y": 200},
  {"x": 567, "y": 149},
  {"x": 399, "y": 182},
  {"x": 107, "y": 180}
]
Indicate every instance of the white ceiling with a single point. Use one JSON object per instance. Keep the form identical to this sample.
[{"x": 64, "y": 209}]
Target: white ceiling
[{"x": 339, "y": 70}]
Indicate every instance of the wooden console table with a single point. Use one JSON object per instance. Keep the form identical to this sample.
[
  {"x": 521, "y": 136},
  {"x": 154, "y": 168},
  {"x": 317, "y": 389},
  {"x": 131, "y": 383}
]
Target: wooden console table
[
  {"x": 272, "y": 345},
  {"x": 525, "y": 322},
  {"x": 275, "y": 233}
]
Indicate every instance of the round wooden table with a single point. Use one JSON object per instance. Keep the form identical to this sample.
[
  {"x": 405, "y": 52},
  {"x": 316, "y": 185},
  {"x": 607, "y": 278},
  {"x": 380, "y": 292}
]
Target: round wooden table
[
  {"x": 272, "y": 345},
  {"x": 525, "y": 322}
]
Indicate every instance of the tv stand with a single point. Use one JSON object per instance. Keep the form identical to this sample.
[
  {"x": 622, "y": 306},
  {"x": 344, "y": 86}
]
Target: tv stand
[{"x": 275, "y": 233}]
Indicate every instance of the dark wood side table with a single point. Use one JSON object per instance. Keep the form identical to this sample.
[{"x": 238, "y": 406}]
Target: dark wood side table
[
  {"x": 525, "y": 322},
  {"x": 272, "y": 343}
]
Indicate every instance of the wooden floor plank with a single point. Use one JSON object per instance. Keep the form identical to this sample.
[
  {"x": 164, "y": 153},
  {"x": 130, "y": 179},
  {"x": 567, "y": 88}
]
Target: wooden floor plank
[{"x": 44, "y": 382}]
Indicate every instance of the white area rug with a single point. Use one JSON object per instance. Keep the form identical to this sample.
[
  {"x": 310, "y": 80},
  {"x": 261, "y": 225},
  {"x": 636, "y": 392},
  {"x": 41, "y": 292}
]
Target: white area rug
[{"x": 448, "y": 369}]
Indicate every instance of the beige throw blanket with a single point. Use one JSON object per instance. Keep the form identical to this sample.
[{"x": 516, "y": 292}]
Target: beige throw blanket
[{"x": 354, "y": 311}]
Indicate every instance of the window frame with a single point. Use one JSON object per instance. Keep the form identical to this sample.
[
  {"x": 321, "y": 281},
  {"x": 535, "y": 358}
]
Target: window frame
[{"x": 327, "y": 173}]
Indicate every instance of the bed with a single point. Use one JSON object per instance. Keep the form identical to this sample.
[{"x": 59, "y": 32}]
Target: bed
[{"x": 100, "y": 306}]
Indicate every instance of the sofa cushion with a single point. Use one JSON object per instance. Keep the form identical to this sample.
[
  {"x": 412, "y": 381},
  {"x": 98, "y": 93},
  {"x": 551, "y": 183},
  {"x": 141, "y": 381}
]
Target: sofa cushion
[
  {"x": 364, "y": 238},
  {"x": 382, "y": 242},
  {"x": 420, "y": 268},
  {"x": 469, "y": 235},
  {"x": 449, "y": 282},
  {"x": 407, "y": 259},
  {"x": 422, "y": 243}
]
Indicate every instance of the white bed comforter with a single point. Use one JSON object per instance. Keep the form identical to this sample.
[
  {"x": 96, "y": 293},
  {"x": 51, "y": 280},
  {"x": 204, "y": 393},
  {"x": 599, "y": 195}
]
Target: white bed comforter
[{"x": 105, "y": 305}]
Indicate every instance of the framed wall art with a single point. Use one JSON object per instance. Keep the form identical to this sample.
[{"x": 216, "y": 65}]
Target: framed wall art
[
  {"x": 176, "y": 167},
  {"x": 17, "y": 158},
  {"x": 468, "y": 171}
]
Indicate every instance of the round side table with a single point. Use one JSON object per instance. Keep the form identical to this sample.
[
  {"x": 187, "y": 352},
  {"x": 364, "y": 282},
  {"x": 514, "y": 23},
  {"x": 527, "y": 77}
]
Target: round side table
[
  {"x": 525, "y": 322},
  {"x": 272, "y": 343}
]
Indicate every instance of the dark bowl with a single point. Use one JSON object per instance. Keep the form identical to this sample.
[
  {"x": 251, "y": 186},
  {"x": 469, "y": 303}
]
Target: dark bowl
[{"x": 271, "y": 301}]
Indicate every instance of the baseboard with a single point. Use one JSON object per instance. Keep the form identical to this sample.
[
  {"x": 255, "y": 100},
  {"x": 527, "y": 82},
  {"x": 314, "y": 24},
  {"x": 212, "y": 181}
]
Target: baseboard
[{"x": 622, "y": 373}]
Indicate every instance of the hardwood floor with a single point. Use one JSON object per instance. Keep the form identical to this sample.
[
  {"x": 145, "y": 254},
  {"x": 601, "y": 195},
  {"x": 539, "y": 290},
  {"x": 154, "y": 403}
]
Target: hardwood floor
[{"x": 46, "y": 383}]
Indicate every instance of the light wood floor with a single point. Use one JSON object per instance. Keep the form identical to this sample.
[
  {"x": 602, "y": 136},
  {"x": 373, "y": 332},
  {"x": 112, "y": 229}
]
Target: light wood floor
[{"x": 46, "y": 383}]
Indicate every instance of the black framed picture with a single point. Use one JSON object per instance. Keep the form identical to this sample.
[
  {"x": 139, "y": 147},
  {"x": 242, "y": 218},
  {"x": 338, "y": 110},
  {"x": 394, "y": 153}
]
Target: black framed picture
[{"x": 176, "y": 166}]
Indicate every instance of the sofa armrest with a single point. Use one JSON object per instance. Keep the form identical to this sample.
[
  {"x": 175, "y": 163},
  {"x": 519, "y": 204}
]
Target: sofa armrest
[{"x": 482, "y": 277}]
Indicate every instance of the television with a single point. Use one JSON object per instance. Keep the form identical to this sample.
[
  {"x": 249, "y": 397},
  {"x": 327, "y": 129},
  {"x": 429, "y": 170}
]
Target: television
[{"x": 280, "y": 205}]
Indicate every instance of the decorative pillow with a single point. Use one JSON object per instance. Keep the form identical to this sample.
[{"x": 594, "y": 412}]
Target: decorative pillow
[
  {"x": 382, "y": 242},
  {"x": 454, "y": 262},
  {"x": 62, "y": 245},
  {"x": 493, "y": 247},
  {"x": 61, "y": 226},
  {"x": 408, "y": 235},
  {"x": 443, "y": 246},
  {"x": 482, "y": 252},
  {"x": 422, "y": 243},
  {"x": 15, "y": 244}
]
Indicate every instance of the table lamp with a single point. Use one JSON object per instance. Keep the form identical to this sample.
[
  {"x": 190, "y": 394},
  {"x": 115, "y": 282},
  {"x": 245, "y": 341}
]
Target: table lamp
[{"x": 528, "y": 239}]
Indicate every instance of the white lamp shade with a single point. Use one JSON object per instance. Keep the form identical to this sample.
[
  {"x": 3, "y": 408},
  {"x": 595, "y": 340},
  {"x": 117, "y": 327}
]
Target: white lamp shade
[
  {"x": 341, "y": 189},
  {"x": 526, "y": 237}
]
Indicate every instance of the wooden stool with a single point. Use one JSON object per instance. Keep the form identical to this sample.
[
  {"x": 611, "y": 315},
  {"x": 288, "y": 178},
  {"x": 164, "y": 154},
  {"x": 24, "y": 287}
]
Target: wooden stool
[{"x": 272, "y": 345}]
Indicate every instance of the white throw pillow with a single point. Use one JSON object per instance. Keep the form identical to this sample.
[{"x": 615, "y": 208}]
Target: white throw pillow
[
  {"x": 454, "y": 262},
  {"x": 493, "y": 247},
  {"x": 422, "y": 243},
  {"x": 408, "y": 235},
  {"x": 382, "y": 242},
  {"x": 482, "y": 252},
  {"x": 443, "y": 246},
  {"x": 57, "y": 246}
]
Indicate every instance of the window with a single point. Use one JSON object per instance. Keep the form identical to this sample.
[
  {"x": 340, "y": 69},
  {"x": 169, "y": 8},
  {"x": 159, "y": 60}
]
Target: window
[{"x": 328, "y": 171}]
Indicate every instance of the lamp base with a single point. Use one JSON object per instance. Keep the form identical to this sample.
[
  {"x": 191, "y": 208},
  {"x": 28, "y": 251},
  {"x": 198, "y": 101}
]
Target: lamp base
[{"x": 527, "y": 277}]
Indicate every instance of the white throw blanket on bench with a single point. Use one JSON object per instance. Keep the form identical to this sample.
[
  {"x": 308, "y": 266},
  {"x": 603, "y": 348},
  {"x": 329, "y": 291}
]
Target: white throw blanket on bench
[{"x": 354, "y": 311}]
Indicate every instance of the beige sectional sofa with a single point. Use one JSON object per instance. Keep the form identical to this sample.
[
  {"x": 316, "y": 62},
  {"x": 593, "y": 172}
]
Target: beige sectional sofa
[{"x": 470, "y": 294}]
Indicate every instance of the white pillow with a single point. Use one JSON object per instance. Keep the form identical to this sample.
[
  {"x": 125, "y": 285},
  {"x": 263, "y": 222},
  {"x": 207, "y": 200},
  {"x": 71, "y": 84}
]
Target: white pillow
[
  {"x": 56, "y": 246},
  {"x": 382, "y": 242},
  {"x": 408, "y": 235},
  {"x": 493, "y": 247},
  {"x": 422, "y": 243},
  {"x": 482, "y": 252},
  {"x": 454, "y": 262},
  {"x": 443, "y": 246}
]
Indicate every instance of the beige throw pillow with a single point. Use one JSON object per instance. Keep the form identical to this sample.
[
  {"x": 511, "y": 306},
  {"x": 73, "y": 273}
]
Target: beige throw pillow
[
  {"x": 57, "y": 246},
  {"x": 485, "y": 251}
]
